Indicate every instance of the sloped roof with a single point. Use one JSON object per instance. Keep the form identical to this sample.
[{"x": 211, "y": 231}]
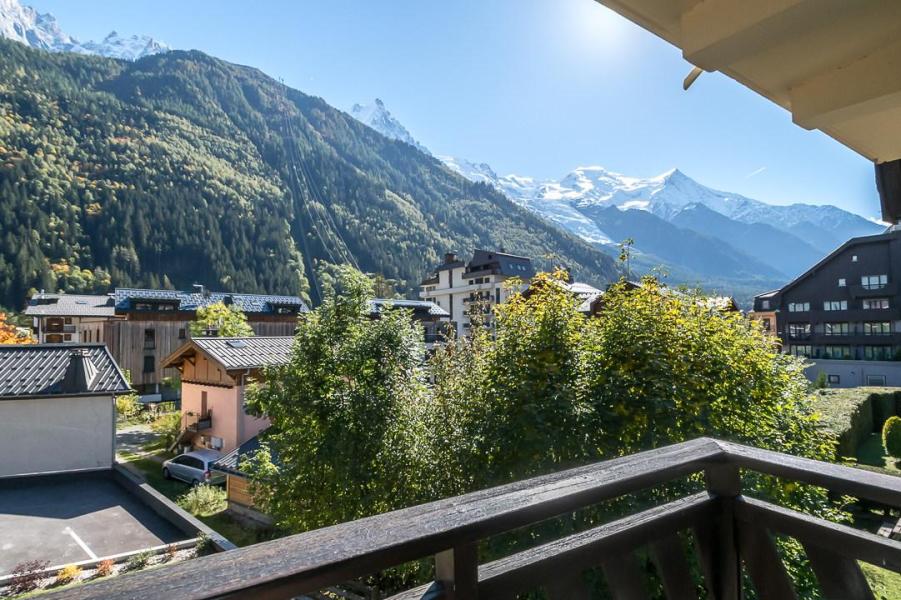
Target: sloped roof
[
  {"x": 505, "y": 264},
  {"x": 39, "y": 370},
  {"x": 377, "y": 305},
  {"x": 191, "y": 301},
  {"x": 70, "y": 305},
  {"x": 239, "y": 352},
  {"x": 230, "y": 462}
]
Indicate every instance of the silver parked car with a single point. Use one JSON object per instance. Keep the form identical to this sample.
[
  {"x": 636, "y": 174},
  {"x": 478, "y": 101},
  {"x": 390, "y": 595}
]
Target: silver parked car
[{"x": 193, "y": 467}]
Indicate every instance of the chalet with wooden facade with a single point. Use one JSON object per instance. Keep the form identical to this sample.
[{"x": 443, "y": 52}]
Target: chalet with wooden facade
[
  {"x": 70, "y": 318},
  {"x": 152, "y": 324},
  {"x": 237, "y": 482},
  {"x": 215, "y": 372}
]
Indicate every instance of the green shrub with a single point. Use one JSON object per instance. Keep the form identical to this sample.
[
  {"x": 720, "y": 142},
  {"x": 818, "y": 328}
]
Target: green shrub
[
  {"x": 204, "y": 544},
  {"x": 168, "y": 427},
  {"x": 127, "y": 406},
  {"x": 891, "y": 436},
  {"x": 821, "y": 382},
  {"x": 138, "y": 561},
  {"x": 204, "y": 500}
]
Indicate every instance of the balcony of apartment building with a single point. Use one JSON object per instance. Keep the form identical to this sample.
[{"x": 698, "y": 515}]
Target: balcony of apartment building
[
  {"x": 732, "y": 538},
  {"x": 873, "y": 289},
  {"x": 59, "y": 325}
]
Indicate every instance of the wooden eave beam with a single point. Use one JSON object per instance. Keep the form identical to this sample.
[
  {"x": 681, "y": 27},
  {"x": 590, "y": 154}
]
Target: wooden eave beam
[
  {"x": 717, "y": 33},
  {"x": 869, "y": 85}
]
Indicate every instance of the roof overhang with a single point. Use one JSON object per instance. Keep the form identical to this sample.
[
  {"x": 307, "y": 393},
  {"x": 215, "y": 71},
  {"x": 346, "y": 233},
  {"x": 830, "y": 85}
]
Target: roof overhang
[{"x": 834, "y": 64}]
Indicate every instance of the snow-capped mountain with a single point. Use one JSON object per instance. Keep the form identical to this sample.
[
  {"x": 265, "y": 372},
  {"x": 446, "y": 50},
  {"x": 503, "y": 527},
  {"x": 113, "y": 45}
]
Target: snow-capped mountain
[
  {"x": 41, "y": 30},
  {"x": 746, "y": 239},
  {"x": 132, "y": 47},
  {"x": 378, "y": 117}
]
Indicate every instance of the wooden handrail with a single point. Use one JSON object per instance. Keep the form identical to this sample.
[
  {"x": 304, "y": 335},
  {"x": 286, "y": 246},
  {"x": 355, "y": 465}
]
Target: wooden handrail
[{"x": 450, "y": 529}]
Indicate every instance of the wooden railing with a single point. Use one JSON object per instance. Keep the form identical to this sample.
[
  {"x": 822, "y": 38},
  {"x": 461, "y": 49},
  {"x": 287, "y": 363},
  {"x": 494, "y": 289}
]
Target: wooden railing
[{"x": 731, "y": 532}]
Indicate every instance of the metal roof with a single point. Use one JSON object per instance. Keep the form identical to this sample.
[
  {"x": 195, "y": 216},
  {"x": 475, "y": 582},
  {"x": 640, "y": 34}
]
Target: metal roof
[
  {"x": 247, "y": 352},
  {"x": 70, "y": 305},
  {"x": 39, "y": 370},
  {"x": 377, "y": 305},
  {"x": 230, "y": 462},
  {"x": 191, "y": 301}
]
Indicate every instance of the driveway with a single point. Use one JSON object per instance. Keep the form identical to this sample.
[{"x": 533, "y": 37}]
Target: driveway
[{"x": 69, "y": 518}]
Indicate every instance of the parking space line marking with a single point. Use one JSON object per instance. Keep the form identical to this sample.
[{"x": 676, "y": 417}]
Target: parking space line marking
[{"x": 80, "y": 542}]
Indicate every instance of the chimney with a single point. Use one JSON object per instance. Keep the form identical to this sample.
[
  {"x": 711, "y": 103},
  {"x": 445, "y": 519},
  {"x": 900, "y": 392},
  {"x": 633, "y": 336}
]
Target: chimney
[
  {"x": 449, "y": 257},
  {"x": 80, "y": 373}
]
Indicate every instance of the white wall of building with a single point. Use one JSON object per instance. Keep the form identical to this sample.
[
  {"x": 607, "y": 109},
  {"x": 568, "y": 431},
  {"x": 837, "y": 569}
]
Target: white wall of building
[{"x": 45, "y": 435}]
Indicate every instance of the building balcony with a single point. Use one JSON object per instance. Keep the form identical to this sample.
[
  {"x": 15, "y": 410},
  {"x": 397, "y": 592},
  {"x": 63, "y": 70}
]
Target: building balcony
[
  {"x": 201, "y": 422},
  {"x": 730, "y": 531}
]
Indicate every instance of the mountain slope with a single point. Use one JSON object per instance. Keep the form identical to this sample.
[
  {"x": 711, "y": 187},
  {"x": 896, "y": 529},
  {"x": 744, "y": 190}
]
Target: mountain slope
[
  {"x": 41, "y": 31},
  {"x": 180, "y": 168},
  {"x": 767, "y": 244}
]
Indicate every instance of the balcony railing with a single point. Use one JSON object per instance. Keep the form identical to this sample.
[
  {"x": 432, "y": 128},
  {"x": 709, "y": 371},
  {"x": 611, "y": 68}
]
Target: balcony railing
[{"x": 729, "y": 529}]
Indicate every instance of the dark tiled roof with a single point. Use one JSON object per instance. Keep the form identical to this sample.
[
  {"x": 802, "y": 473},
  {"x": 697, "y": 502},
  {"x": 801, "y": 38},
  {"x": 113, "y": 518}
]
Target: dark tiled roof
[
  {"x": 191, "y": 301},
  {"x": 247, "y": 352},
  {"x": 231, "y": 461},
  {"x": 70, "y": 305},
  {"x": 39, "y": 370},
  {"x": 500, "y": 262},
  {"x": 377, "y": 305}
]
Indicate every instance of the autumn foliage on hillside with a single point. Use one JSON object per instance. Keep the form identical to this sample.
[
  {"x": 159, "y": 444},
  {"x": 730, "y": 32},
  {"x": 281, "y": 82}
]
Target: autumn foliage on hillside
[{"x": 10, "y": 335}]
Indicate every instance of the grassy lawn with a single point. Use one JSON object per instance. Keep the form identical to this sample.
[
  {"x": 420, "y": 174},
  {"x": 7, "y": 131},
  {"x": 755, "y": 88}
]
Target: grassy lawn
[
  {"x": 235, "y": 531},
  {"x": 886, "y": 585},
  {"x": 872, "y": 454}
]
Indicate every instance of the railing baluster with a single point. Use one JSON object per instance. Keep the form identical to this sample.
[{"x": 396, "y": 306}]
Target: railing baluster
[
  {"x": 724, "y": 481},
  {"x": 669, "y": 557},
  {"x": 758, "y": 551},
  {"x": 624, "y": 577},
  {"x": 458, "y": 570},
  {"x": 840, "y": 578}
]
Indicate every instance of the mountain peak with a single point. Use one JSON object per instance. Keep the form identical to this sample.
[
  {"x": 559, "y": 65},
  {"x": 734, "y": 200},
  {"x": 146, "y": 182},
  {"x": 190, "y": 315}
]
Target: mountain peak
[
  {"x": 41, "y": 30},
  {"x": 378, "y": 117}
]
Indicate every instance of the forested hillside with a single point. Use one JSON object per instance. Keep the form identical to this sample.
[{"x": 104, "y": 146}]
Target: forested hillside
[{"x": 181, "y": 168}]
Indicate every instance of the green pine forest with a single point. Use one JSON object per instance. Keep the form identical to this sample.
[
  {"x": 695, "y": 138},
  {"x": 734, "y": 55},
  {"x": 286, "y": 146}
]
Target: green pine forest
[{"x": 181, "y": 168}]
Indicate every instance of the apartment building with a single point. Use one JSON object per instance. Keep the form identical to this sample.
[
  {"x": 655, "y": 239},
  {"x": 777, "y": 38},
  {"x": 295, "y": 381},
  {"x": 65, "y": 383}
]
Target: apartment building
[
  {"x": 154, "y": 323},
  {"x": 847, "y": 308},
  {"x": 466, "y": 289}
]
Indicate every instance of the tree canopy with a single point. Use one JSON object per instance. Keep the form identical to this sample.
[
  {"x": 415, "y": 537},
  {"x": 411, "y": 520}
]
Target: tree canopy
[
  {"x": 365, "y": 424},
  {"x": 220, "y": 320}
]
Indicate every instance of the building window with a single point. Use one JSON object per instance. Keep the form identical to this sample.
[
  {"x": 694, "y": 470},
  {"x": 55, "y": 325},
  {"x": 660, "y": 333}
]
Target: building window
[
  {"x": 765, "y": 305},
  {"x": 802, "y": 350},
  {"x": 854, "y": 258},
  {"x": 798, "y": 306},
  {"x": 837, "y": 352},
  {"x": 877, "y": 328},
  {"x": 877, "y": 353},
  {"x": 148, "y": 364},
  {"x": 842, "y": 282},
  {"x": 68, "y": 320},
  {"x": 875, "y": 303},
  {"x": 878, "y": 380},
  {"x": 874, "y": 282},
  {"x": 834, "y": 379},
  {"x": 835, "y": 305},
  {"x": 67, "y": 337},
  {"x": 182, "y": 334},
  {"x": 835, "y": 329},
  {"x": 87, "y": 336},
  {"x": 798, "y": 330},
  {"x": 767, "y": 325}
]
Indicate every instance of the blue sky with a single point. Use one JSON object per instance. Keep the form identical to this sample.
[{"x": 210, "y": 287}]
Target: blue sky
[{"x": 533, "y": 87}]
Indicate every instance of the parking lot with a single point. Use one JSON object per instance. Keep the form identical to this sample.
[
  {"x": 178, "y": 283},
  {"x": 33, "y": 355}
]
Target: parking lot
[{"x": 66, "y": 519}]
